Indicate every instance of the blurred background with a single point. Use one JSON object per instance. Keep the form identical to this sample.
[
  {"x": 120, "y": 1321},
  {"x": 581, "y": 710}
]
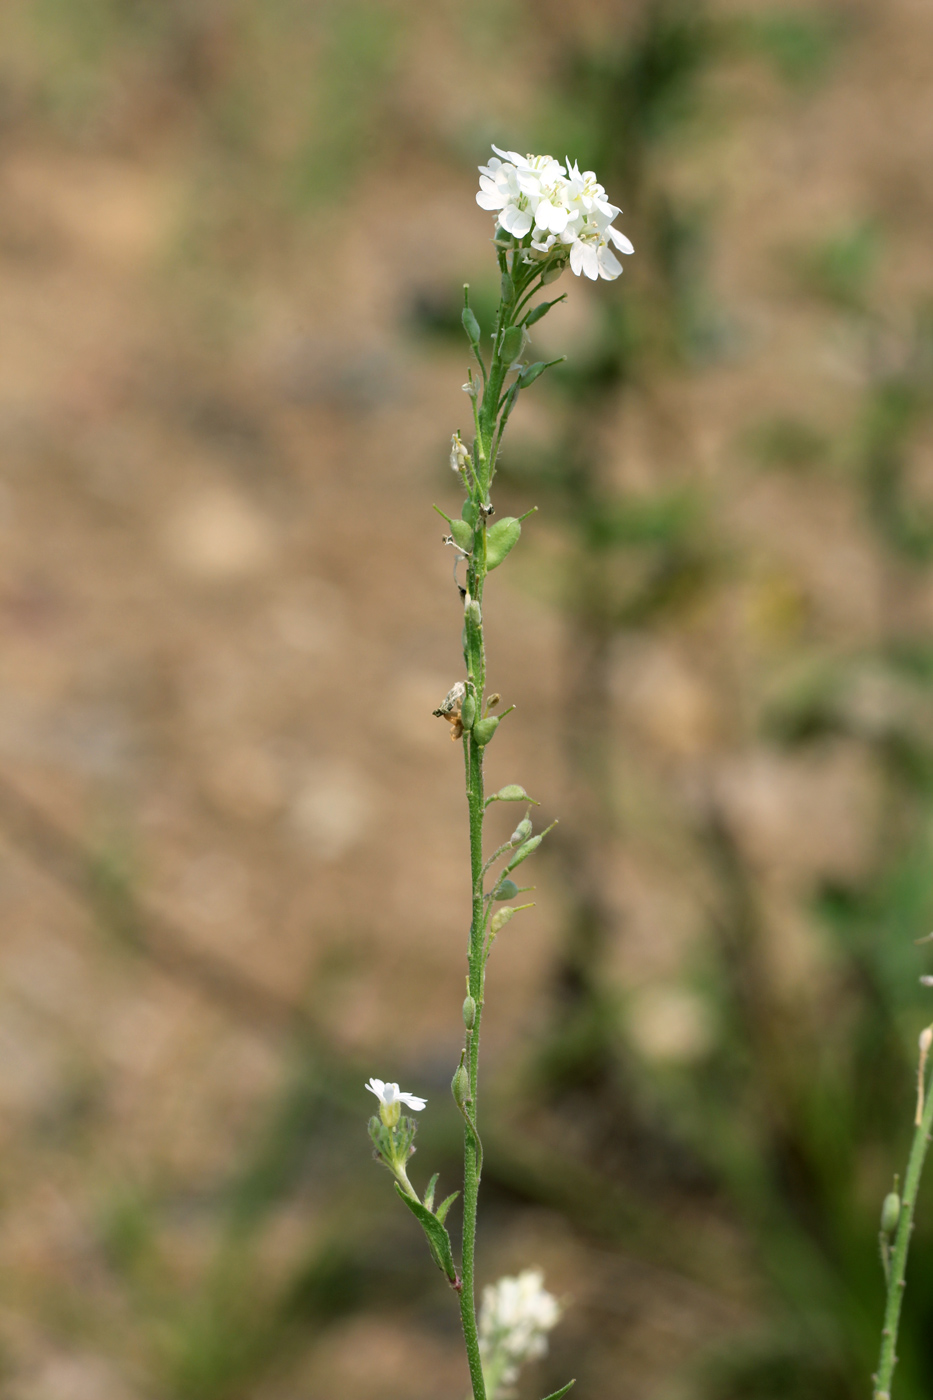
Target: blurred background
[{"x": 233, "y": 848}]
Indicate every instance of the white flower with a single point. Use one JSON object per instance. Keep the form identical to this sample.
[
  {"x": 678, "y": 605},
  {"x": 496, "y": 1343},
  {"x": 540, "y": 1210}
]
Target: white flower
[
  {"x": 565, "y": 211},
  {"x": 391, "y": 1097},
  {"x": 459, "y": 455},
  {"x": 516, "y": 1315}
]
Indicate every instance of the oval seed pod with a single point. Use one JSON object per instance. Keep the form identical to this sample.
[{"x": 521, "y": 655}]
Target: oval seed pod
[
  {"x": 512, "y": 792},
  {"x": 512, "y": 342},
  {"x": 468, "y": 513},
  {"x": 484, "y": 729},
  {"x": 521, "y": 833},
  {"x": 469, "y": 1013},
  {"x": 460, "y": 1087},
  {"x": 890, "y": 1212},
  {"x": 470, "y": 325},
  {"x": 468, "y": 711},
  {"x": 462, "y": 533},
  {"x": 506, "y": 889},
  {"x": 475, "y": 613},
  {"x": 501, "y": 539}
]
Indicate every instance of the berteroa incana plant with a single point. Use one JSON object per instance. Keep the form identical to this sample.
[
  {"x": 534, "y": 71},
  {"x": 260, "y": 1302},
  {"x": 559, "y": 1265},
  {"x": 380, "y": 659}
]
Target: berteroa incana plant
[{"x": 548, "y": 216}]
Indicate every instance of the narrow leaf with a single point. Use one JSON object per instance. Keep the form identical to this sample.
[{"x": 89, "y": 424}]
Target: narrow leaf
[
  {"x": 429, "y": 1192},
  {"x": 441, "y": 1212},
  {"x": 435, "y": 1233},
  {"x": 556, "y": 1394}
]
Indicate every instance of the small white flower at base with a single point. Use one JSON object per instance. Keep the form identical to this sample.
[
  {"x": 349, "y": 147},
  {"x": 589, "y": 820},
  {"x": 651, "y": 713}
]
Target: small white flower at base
[
  {"x": 565, "y": 212},
  {"x": 391, "y": 1098},
  {"x": 515, "y": 1318}
]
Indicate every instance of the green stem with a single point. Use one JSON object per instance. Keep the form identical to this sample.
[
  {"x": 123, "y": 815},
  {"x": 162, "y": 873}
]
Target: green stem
[
  {"x": 472, "y": 1160},
  {"x": 905, "y": 1225}
]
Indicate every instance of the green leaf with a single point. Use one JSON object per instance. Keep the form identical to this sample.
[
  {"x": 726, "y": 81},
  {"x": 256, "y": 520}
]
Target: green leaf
[
  {"x": 556, "y": 1394},
  {"x": 436, "y": 1235},
  {"x": 429, "y": 1191},
  {"x": 530, "y": 373},
  {"x": 441, "y": 1212},
  {"x": 542, "y": 309}
]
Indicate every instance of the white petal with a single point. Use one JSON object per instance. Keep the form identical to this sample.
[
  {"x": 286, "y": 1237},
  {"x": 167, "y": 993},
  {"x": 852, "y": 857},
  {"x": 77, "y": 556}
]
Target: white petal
[
  {"x": 389, "y": 1093},
  {"x": 576, "y": 258},
  {"x": 375, "y": 1086},
  {"x": 609, "y": 265},
  {"x": 513, "y": 156},
  {"x": 413, "y": 1101},
  {"x": 559, "y": 218},
  {"x": 590, "y": 262},
  {"x": 515, "y": 221},
  {"x": 620, "y": 240}
]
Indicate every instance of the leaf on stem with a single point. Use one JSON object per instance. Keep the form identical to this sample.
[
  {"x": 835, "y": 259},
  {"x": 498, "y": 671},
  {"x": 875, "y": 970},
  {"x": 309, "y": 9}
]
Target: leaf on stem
[{"x": 436, "y": 1235}]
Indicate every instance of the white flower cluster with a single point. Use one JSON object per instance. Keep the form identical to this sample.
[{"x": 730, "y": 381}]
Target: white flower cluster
[
  {"x": 516, "y": 1315},
  {"x": 564, "y": 211}
]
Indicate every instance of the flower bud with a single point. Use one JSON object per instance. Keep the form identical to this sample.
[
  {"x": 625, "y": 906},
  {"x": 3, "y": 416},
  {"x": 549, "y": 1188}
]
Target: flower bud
[
  {"x": 460, "y": 1086},
  {"x": 484, "y": 729},
  {"x": 469, "y": 1013},
  {"x": 521, "y": 833},
  {"x": 890, "y": 1213}
]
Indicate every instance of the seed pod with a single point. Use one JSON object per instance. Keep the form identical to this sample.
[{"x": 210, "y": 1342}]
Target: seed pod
[
  {"x": 506, "y": 889},
  {"x": 469, "y": 1013},
  {"x": 512, "y": 342},
  {"x": 512, "y": 792},
  {"x": 460, "y": 1087},
  {"x": 474, "y": 613},
  {"x": 542, "y": 309},
  {"x": 501, "y": 538},
  {"x": 506, "y": 287},
  {"x": 470, "y": 325},
  {"x": 468, "y": 711},
  {"x": 552, "y": 274},
  {"x": 890, "y": 1213},
  {"x": 469, "y": 512},
  {"x": 530, "y": 373},
  {"x": 462, "y": 533},
  {"x": 501, "y": 918},
  {"x": 484, "y": 729},
  {"x": 521, "y": 833}
]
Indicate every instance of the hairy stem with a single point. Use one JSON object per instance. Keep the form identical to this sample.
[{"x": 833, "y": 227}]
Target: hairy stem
[{"x": 898, "y": 1265}]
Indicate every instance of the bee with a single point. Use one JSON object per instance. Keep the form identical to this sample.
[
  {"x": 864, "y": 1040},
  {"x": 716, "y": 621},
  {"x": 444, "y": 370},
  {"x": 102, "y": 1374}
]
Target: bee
[{"x": 449, "y": 709}]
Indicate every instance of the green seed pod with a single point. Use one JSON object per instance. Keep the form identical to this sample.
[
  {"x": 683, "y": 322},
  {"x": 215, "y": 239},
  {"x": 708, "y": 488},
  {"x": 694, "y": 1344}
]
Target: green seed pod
[
  {"x": 530, "y": 373},
  {"x": 501, "y": 918},
  {"x": 474, "y": 613},
  {"x": 512, "y": 342},
  {"x": 469, "y": 1013},
  {"x": 552, "y": 274},
  {"x": 512, "y": 792},
  {"x": 460, "y": 1087},
  {"x": 542, "y": 309},
  {"x": 506, "y": 889},
  {"x": 506, "y": 287},
  {"x": 484, "y": 729},
  {"x": 521, "y": 833},
  {"x": 462, "y": 533},
  {"x": 468, "y": 512},
  {"x": 890, "y": 1213},
  {"x": 468, "y": 711},
  {"x": 470, "y": 325},
  {"x": 501, "y": 539}
]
